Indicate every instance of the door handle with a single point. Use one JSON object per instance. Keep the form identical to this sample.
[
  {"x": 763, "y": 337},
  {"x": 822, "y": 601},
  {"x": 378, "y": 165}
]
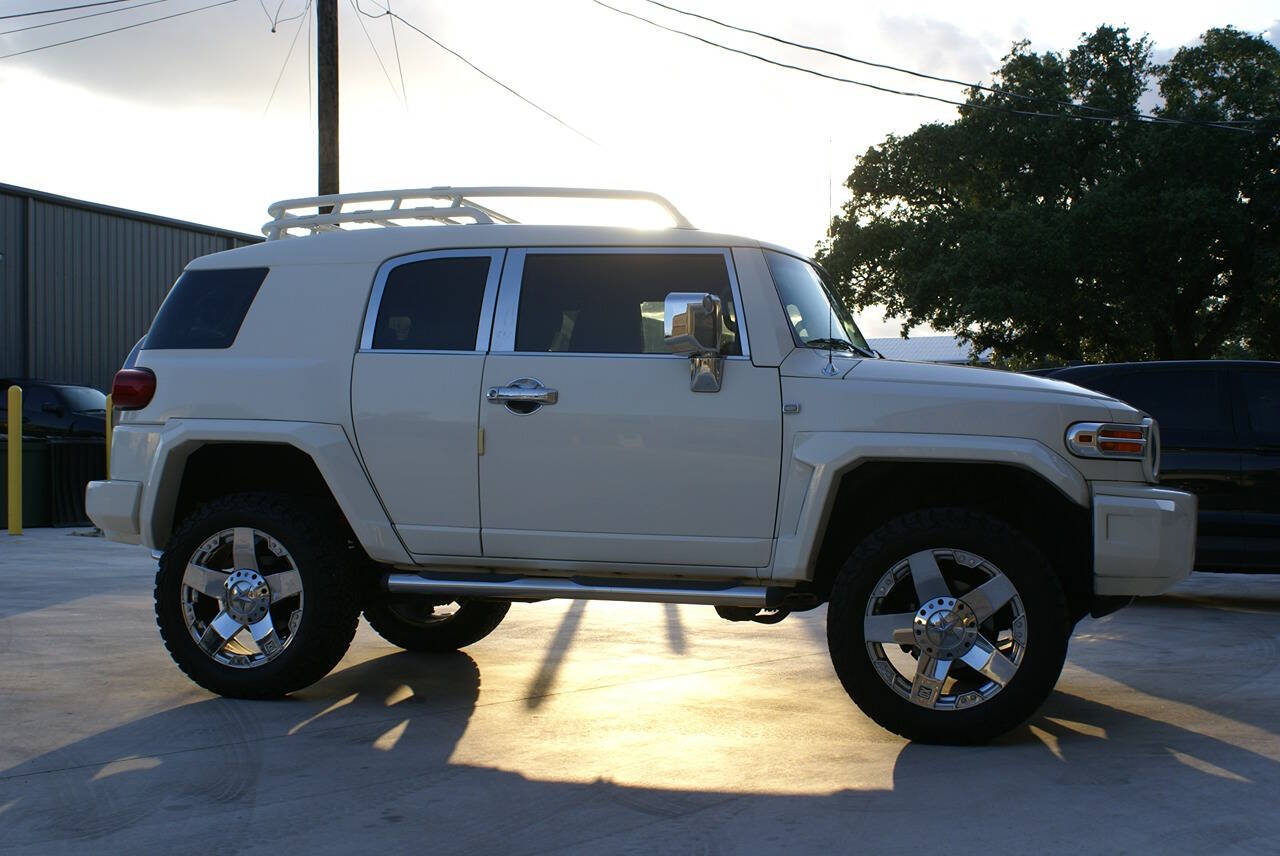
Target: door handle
[{"x": 523, "y": 395}]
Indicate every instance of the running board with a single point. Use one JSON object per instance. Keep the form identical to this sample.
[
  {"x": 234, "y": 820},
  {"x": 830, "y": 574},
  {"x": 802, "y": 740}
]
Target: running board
[{"x": 544, "y": 588}]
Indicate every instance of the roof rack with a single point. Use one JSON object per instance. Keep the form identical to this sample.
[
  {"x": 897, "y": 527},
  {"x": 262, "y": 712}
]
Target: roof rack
[{"x": 398, "y": 207}]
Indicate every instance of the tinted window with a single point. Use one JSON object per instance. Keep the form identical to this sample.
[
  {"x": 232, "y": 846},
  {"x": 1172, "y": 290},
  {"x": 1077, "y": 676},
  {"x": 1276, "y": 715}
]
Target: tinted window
[
  {"x": 432, "y": 305},
  {"x": 35, "y": 397},
  {"x": 205, "y": 309},
  {"x": 81, "y": 398},
  {"x": 1262, "y": 401},
  {"x": 815, "y": 315},
  {"x": 1187, "y": 404},
  {"x": 612, "y": 303}
]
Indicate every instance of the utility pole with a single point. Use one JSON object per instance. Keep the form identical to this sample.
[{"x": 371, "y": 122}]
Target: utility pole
[{"x": 327, "y": 94}]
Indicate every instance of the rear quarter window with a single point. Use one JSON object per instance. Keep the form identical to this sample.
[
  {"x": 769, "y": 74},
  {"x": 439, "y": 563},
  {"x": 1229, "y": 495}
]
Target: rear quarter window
[{"x": 205, "y": 309}]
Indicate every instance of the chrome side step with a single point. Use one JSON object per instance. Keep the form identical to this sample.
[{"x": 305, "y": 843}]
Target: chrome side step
[{"x": 543, "y": 588}]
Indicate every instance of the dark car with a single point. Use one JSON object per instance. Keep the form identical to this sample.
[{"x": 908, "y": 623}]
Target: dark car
[
  {"x": 1220, "y": 439},
  {"x": 56, "y": 409}
]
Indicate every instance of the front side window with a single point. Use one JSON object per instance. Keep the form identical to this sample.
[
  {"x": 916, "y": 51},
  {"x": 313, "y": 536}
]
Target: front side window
[
  {"x": 612, "y": 303},
  {"x": 432, "y": 305},
  {"x": 817, "y": 319}
]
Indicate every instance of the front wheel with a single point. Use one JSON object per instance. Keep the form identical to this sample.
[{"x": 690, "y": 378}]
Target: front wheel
[{"x": 948, "y": 626}]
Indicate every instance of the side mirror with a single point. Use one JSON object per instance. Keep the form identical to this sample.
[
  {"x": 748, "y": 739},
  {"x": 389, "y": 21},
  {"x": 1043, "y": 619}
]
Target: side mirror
[
  {"x": 691, "y": 325},
  {"x": 50, "y": 407}
]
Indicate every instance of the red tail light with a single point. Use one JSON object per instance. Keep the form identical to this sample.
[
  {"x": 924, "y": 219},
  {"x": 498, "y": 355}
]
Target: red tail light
[{"x": 133, "y": 389}]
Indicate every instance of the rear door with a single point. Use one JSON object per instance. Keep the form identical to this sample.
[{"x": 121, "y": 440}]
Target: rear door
[
  {"x": 414, "y": 393},
  {"x": 1257, "y": 396},
  {"x": 1199, "y": 448},
  {"x": 624, "y": 464}
]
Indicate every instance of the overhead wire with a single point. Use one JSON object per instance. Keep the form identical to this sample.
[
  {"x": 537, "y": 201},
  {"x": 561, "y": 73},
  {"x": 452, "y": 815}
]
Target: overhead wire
[
  {"x": 381, "y": 64},
  {"x": 404, "y": 92},
  {"x": 60, "y": 9},
  {"x": 479, "y": 70},
  {"x": 285, "y": 64},
  {"x": 80, "y": 17},
  {"x": 925, "y": 75},
  {"x": 117, "y": 29},
  {"x": 976, "y": 105}
]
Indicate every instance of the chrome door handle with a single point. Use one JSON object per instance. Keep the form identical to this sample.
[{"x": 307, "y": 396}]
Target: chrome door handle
[
  {"x": 529, "y": 396},
  {"x": 523, "y": 395}
]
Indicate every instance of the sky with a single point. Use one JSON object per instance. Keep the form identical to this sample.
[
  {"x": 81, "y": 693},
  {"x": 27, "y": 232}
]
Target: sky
[{"x": 178, "y": 118}]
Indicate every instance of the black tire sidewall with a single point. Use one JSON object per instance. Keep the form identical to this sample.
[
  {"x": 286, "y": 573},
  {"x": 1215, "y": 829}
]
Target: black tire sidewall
[
  {"x": 1048, "y": 625},
  {"x": 474, "y": 620},
  {"x": 330, "y": 604}
]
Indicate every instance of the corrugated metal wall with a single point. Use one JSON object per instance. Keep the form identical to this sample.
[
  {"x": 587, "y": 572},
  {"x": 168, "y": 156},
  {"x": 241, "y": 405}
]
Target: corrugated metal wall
[{"x": 92, "y": 284}]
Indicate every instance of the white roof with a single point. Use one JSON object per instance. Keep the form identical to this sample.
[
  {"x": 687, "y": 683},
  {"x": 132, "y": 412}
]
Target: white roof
[{"x": 928, "y": 349}]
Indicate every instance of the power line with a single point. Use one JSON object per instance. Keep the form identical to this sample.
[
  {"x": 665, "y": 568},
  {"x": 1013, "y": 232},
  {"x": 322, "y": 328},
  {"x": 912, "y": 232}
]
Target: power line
[
  {"x": 976, "y": 105},
  {"x": 117, "y": 29},
  {"x": 80, "y": 17},
  {"x": 924, "y": 75},
  {"x": 404, "y": 92},
  {"x": 381, "y": 64},
  {"x": 867, "y": 62},
  {"x": 285, "y": 64},
  {"x": 60, "y": 9},
  {"x": 482, "y": 72}
]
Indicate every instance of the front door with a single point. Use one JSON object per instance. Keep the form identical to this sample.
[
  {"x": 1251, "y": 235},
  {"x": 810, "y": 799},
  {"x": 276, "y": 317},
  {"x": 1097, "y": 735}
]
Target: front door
[{"x": 620, "y": 462}]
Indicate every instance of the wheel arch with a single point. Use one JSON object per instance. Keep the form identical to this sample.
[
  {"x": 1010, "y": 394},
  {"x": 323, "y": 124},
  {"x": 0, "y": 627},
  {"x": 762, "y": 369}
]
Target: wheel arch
[
  {"x": 842, "y": 487},
  {"x": 196, "y": 460}
]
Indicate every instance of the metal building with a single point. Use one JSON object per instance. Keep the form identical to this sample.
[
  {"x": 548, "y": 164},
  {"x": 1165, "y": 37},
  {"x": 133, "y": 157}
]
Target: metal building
[{"x": 80, "y": 282}]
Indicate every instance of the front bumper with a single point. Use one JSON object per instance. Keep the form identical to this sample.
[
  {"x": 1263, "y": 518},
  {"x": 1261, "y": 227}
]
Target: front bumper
[
  {"x": 1144, "y": 538},
  {"x": 112, "y": 505}
]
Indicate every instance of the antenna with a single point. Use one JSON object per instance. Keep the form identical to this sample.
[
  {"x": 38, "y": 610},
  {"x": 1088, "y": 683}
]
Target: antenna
[{"x": 829, "y": 369}]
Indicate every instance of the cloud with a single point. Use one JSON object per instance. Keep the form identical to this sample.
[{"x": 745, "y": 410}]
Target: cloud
[{"x": 940, "y": 47}]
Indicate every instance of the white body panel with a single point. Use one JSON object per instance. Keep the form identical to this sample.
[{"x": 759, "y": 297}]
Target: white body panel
[
  {"x": 630, "y": 465},
  {"x": 629, "y": 472},
  {"x": 415, "y": 421}
]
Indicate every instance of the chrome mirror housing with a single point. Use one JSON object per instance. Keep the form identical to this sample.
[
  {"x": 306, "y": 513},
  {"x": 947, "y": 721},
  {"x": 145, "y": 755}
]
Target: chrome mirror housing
[{"x": 691, "y": 325}]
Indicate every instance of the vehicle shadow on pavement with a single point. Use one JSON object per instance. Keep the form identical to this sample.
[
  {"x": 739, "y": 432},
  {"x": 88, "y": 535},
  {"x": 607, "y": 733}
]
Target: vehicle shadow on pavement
[{"x": 364, "y": 757}]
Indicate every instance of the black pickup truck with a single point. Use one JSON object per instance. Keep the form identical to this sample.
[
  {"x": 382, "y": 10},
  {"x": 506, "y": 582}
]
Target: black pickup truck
[{"x": 1220, "y": 436}]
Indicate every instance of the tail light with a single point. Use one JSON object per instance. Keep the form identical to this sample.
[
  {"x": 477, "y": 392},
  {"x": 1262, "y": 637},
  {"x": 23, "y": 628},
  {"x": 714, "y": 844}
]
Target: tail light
[{"x": 133, "y": 389}]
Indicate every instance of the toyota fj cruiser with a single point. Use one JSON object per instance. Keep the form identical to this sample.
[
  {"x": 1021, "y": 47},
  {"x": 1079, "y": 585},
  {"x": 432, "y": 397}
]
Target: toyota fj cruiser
[{"x": 427, "y": 424}]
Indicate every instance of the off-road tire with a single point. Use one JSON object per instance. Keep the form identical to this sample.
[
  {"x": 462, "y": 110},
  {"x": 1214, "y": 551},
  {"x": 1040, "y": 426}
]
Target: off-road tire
[
  {"x": 473, "y": 620},
  {"x": 1048, "y": 625},
  {"x": 329, "y": 569}
]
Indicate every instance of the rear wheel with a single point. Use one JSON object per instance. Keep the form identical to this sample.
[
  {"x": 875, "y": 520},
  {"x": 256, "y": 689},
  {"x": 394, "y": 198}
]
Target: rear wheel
[
  {"x": 420, "y": 623},
  {"x": 948, "y": 626},
  {"x": 255, "y": 596}
]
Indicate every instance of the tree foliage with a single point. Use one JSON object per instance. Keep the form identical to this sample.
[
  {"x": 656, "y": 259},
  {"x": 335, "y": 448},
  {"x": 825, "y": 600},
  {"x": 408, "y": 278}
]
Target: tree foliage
[{"x": 1054, "y": 239}]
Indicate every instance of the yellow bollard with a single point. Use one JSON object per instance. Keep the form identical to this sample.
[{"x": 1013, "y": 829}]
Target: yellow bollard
[
  {"x": 109, "y": 427},
  {"x": 15, "y": 460}
]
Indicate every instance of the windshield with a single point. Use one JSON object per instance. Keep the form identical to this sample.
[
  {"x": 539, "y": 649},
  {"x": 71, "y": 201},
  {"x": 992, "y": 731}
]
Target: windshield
[
  {"x": 81, "y": 398},
  {"x": 817, "y": 319}
]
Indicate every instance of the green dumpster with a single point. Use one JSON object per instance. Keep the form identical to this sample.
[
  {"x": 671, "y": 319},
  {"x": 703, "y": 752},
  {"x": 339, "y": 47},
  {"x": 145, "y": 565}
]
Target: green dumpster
[{"x": 36, "y": 492}]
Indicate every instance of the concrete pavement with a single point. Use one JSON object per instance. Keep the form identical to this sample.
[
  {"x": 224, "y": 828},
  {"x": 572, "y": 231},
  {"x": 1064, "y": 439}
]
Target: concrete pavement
[{"x": 617, "y": 728}]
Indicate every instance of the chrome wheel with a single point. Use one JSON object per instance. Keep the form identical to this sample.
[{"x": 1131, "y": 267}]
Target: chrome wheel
[
  {"x": 945, "y": 629},
  {"x": 241, "y": 597}
]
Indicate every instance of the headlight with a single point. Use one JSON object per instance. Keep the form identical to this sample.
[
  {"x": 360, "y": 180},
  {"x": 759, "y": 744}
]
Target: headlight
[{"x": 1140, "y": 442}]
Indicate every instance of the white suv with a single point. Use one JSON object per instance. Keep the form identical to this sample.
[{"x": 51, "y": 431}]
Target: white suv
[{"x": 429, "y": 423}]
